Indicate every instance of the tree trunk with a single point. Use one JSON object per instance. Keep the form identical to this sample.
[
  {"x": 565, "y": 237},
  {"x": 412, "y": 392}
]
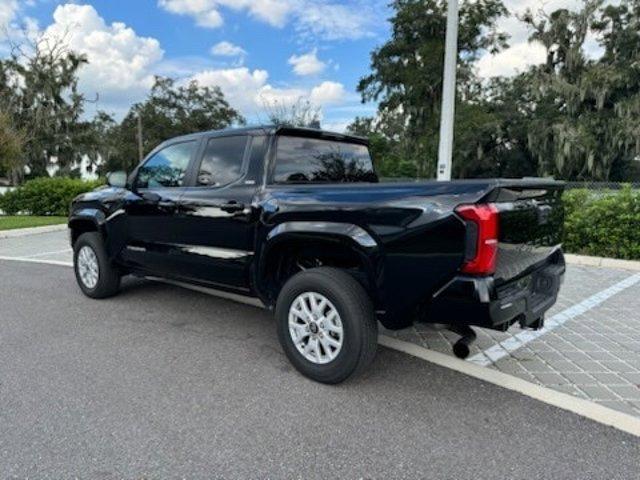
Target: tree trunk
[{"x": 15, "y": 177}]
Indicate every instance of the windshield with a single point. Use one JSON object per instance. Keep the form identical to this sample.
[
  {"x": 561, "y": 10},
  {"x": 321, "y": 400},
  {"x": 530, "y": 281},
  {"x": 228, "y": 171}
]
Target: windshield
[{"x": 311, "y": 160}]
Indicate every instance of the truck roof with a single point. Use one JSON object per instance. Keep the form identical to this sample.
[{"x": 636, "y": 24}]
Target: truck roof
[{"x": 278, "y": 130}]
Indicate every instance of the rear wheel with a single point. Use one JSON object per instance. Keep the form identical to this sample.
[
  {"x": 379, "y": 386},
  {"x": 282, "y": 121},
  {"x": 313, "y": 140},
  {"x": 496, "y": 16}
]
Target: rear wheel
[
  {"x": 96, "y": 276},
  {"x": 326, "y": 324}
]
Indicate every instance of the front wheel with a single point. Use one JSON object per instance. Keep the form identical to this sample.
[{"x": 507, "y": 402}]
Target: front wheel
[
  {"x": 326, "y": 324},
  {"x": 96, "y": 276}
]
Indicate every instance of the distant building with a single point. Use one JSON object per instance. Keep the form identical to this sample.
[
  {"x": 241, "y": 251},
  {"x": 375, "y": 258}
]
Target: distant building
[{"x": 86, "y": 168}]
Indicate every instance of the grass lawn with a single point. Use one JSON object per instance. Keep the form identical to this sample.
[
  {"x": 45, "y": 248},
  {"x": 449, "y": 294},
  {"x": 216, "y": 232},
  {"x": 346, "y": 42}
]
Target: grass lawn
[{"x": 11, "y": 223}]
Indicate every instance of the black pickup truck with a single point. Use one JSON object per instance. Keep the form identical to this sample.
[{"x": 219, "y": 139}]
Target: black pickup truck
[{"x": 297, "y": 221}]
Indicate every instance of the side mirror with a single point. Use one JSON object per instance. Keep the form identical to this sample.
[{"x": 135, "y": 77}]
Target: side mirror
[
  {"x": 117, "y": 179},
  {"x": 205, "y": 179}
]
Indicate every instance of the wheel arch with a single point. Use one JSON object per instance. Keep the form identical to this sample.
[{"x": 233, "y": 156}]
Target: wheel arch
[
  {"x": 83, "y": 221},
  {"x": 339, "y": 245}
]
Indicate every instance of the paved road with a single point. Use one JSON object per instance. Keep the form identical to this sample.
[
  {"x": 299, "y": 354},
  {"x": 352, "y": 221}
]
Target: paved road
[{"x": 162, "y": 382}]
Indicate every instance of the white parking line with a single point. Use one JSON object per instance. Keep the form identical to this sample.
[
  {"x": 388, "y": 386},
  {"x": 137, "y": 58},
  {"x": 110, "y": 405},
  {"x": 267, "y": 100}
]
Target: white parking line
[
  {"x": 25, "y": 232},
  {"x": 510, "y": 345},
  {"x": 44, "y": 254},
  {"x": 37, "y": 260}
]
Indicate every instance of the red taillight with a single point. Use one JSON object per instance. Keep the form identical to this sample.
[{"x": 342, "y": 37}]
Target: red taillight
[{"x": 482, "y": 233}]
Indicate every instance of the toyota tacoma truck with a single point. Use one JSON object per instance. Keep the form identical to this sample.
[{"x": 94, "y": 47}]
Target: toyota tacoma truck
[{"x": 297, "y": 221}]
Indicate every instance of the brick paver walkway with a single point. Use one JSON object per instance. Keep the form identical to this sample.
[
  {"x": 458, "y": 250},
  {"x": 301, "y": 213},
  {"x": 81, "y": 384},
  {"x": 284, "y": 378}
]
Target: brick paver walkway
[{"x": 594, "y": 355}]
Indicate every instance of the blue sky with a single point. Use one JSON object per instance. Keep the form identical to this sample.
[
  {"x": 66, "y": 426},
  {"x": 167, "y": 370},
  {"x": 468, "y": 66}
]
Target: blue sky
[{"x": 260, "y": 52}]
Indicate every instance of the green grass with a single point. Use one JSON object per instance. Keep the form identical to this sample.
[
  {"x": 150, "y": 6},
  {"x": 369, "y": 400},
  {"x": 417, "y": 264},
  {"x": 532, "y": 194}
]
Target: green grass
[{"x": 11, "y": 223}]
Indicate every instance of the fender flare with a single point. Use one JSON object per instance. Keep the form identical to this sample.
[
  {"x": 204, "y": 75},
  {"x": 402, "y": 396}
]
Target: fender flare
[
  {"x": 352, "y": 235},
  {"x": 93, "y": 215},
  {"x": 102, "y": 224}
]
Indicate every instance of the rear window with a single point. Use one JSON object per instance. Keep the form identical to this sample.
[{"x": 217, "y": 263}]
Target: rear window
[{"x": 311, "y": 160}]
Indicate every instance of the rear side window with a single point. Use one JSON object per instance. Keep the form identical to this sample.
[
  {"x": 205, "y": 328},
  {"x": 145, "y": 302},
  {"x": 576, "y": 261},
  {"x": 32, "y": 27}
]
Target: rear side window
[
  {"x": 222, "y": 161},
  {"x": 167, "y": 167},
  {"x": 311, "y": 160}
]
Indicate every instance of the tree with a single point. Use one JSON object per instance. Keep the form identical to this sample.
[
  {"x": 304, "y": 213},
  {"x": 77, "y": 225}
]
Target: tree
[
  {"x": 572, "y": 116},
  {"x": 385, "y": 145},
  {"x": 581, "y": 113},
  {"x": 406, "y": 75},
  {"x": 170, "y": 110},
  {"x": 301, "y": 113},
  {"x": 11, "y": 145},
  {"x": 39, "y": 93}
]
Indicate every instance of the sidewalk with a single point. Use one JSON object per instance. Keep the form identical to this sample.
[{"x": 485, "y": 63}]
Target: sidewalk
[{"x": 592, "y": 352}]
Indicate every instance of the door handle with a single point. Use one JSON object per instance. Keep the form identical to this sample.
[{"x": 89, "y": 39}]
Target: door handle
[
  {"x": 232, "y": 206},
  {"x": 151, "y": 197}
]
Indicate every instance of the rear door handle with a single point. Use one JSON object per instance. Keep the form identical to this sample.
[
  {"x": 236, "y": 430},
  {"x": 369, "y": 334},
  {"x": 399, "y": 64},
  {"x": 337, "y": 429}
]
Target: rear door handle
[{"x": 232, "y": 206}]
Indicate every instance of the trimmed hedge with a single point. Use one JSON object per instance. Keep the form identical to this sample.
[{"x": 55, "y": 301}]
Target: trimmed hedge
[
  {"x": 603, "y": 223},
  {"x": 45, "y": 196}
]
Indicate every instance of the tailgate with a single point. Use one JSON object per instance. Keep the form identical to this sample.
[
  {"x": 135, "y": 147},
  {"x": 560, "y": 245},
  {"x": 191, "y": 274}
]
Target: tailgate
[{"x": 531, "y": 225}]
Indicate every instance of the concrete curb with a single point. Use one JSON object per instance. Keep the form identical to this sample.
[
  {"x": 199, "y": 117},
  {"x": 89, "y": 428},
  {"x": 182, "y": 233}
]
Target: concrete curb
[
  {"x": 585, "y": 408},
  {"x": 23, "y": 232},
  {"x": 602, "y": 262}
]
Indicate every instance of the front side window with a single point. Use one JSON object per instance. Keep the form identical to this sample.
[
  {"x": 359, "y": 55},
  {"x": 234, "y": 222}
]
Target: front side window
[
  {"x": 311, "y": 160},
  {"x": 222, "y": 161},
  {"x": 166, "y": 168}
]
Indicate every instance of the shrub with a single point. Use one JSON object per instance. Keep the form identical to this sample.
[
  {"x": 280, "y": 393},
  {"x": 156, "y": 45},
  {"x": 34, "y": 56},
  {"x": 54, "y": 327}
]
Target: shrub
[
  {"x": 45, "y": 196},
  {"x": 604, "y": 224}
]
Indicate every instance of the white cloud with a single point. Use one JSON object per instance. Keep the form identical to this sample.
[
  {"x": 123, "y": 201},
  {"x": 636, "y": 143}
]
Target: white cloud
[
  {"x": 203, "y": 11},
  {"x": 8, "y": 11},
  {"x": 328, "y": 93},
  {"x": 274, "y": 12},
  {"x": 320, "y": 18},
  {"x": 227, "y": 49},
  {"x": 511, "y": 61},
  {"x": 337, "y": 21},
  {"x": 250, "y": 91},
  {"x": 120, "y": 61},
  {"x": 307, "y": 64},
  {"x": 207, "y": 12},
  {"x": 239, "y": 85},
  {"x": 14, "y": 24}
]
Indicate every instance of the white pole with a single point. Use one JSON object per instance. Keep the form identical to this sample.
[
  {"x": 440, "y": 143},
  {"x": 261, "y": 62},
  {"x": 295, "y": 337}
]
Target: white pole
[{"x": 445, "y": 150}]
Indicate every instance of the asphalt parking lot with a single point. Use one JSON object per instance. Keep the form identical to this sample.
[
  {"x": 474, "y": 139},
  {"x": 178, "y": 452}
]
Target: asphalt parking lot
[
  {"x": 591, "y": 348},
  {"x": 165, "y": 382}
]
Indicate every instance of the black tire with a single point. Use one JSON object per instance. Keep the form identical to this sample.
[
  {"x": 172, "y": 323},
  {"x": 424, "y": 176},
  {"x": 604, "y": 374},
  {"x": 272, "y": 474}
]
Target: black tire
[
  {"x": 357, "y": 316},
  {"x": 108, "y": 282}
]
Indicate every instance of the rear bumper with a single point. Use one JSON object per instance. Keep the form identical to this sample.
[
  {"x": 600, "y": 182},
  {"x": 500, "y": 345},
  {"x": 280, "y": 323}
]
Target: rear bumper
[{"x": 479, "y": 301}]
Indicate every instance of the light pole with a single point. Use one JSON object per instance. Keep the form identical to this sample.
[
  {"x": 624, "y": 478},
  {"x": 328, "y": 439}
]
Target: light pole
[
  {"x": 447, "y": 113},
  {"x": 139, "y": 135}
]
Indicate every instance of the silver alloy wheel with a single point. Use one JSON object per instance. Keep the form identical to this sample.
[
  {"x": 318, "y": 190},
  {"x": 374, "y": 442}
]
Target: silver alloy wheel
[
  {"x": 88, "y": 267},
  {"x": 315, "y": 327}
]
